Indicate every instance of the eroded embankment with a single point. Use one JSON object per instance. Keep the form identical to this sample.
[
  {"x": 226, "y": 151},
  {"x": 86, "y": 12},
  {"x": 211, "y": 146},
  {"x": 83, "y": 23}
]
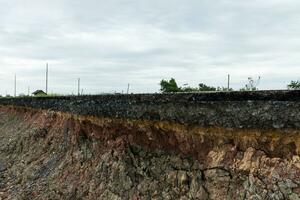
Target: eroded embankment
[{"x": 57, "y": 155}]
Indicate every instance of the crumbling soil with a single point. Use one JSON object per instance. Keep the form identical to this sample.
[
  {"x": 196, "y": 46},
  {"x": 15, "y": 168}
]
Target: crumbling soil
[{"x": 54, "y": 155}]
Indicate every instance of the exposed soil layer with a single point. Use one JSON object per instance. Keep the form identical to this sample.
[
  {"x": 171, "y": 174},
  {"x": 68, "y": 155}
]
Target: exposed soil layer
[
  {"x": 259, "y": 109},
  {"x": 54, "y": 155}
]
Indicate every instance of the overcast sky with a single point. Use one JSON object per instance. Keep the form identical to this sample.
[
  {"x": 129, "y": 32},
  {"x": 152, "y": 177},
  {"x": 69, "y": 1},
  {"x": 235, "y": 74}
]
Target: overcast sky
[{"x": 109, "y": 43}]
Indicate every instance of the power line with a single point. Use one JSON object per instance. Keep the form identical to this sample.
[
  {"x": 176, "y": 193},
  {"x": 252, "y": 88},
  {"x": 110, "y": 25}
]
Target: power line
[
  {"x": 15, "y": 88},
  {"x": 128, "y": 86},
  {"x": 46, "y": 78},
  {"x": 78, "y": 86},
  {"x": 228, "y": 83}
]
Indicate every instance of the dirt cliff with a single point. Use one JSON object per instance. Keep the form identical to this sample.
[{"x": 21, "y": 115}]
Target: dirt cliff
[{"x": 48, "y": 154}]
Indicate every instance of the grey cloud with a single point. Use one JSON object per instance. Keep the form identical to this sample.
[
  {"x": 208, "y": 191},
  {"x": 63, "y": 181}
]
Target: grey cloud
[{"x": 111, "y": 43}]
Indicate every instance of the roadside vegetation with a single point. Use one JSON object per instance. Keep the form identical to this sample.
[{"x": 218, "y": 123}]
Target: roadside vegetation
[
  {"x": 294, "y": 85},
  {"x": 252, "y": 85},
  {"x": 172, "y": 86}
]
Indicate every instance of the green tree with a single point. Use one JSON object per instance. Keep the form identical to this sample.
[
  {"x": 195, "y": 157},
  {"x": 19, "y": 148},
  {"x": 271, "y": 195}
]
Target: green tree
[
  {"x": 203, "y": 87},
  {"x": 169, "y": 86},
  {"x": 294, "y": 85}
]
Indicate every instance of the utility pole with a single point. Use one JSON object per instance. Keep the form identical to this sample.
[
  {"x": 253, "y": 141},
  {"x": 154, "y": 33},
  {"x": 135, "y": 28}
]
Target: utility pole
[
  {"x": 228, "y": 83},
  {"x": 128, "y": 88},
  {"x": 46, "y": 78},
  {"x": 78, "y": 86},
  {"x": 15, "y": 89},
  {"x": 28, "y": 91}
]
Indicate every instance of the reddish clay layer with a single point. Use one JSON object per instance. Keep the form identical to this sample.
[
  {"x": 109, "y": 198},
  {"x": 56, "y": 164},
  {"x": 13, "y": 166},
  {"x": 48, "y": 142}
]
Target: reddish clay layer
[{"x": 188, "y": 140}]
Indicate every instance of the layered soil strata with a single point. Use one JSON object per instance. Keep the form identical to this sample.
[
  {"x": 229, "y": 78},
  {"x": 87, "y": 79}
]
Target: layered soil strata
[
  {"x": 48, "y": 154},
  {"x": 261, "y": 109}
]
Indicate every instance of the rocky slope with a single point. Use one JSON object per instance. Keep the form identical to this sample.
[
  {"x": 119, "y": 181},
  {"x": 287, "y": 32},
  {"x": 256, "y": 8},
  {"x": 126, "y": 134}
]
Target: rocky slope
[{"x": 55, "y": 155}]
